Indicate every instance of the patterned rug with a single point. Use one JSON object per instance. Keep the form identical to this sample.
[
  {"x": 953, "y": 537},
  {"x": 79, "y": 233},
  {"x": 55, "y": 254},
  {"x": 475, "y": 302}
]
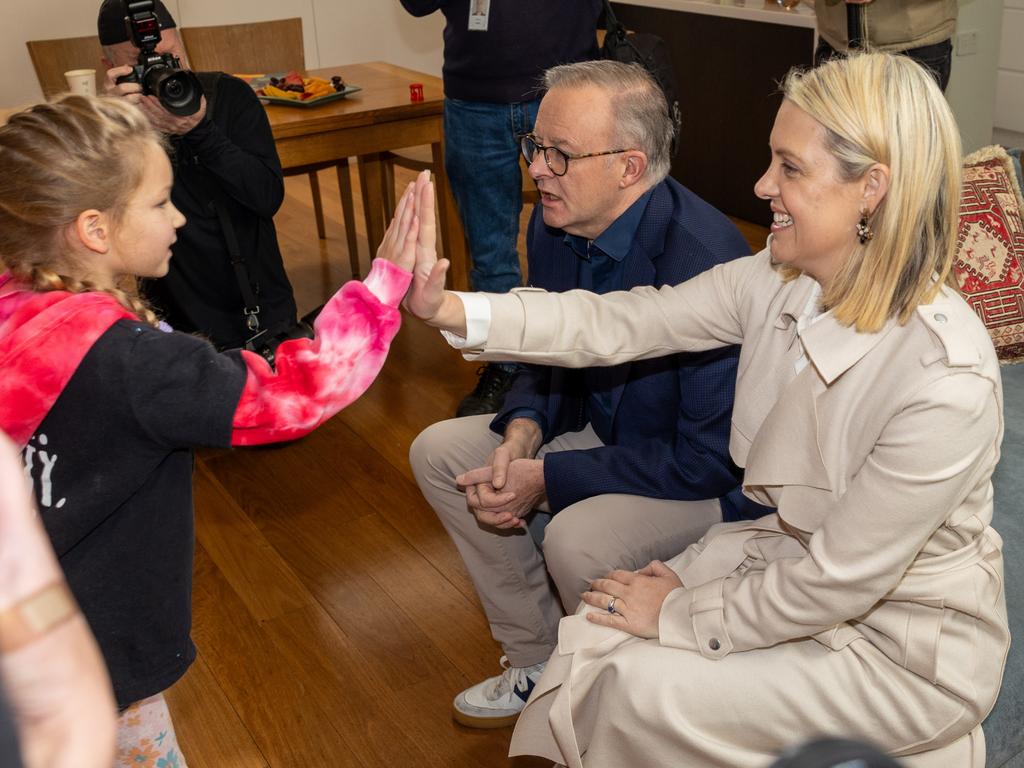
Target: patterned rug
[{"x": 990, "y": 249}]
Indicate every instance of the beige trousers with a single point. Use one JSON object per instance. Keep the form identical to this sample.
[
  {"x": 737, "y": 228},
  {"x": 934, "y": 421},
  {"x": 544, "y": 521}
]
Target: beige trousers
[{"x": 526, "y": 587}]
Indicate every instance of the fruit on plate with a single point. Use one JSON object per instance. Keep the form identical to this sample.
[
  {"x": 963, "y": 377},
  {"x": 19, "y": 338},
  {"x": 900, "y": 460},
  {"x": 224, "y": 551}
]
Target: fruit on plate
[{"x": 298, "y": 88}]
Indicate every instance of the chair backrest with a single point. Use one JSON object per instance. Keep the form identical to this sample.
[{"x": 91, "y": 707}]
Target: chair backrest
[
  {"x": 256, "y": 48},
  {"x": 52, "y": 58}
]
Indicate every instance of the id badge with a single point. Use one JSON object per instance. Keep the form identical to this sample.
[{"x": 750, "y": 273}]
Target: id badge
[{"x": 479, "y": 10}]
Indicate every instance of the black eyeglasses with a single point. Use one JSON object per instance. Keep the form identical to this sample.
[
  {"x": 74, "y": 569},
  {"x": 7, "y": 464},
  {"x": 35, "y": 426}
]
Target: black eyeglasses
[{"x": 557, "y": 160}]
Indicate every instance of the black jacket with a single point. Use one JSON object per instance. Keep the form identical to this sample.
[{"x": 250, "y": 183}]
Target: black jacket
[{"x": 229, "y": 158}]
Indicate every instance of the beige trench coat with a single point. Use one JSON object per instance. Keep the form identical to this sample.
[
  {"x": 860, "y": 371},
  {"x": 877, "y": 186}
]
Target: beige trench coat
[{"x": 870, "y": 605}]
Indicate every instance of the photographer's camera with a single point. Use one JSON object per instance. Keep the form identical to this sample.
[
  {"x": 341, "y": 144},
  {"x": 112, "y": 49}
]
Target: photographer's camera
[{"x": 159, "y": 74}]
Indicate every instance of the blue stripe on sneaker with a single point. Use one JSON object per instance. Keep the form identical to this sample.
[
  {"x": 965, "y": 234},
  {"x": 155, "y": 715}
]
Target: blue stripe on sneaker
[{"x": 524, "y": 695}]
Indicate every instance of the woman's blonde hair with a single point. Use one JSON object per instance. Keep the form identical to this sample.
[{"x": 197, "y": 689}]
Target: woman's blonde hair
[
  {"x": 882, "y": 108},
  {"x": 57, "y": 160}
]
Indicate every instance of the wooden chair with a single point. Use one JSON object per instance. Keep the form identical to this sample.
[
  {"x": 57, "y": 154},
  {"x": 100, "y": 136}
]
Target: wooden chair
[
  {"x": 52, "y": 58},
  {"x": 258, "y": 47},
  {"x": 264, "y": 47}
]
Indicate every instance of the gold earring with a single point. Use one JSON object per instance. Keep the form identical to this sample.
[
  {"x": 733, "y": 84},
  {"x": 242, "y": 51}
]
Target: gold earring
[{"x": 864, "y": 231}]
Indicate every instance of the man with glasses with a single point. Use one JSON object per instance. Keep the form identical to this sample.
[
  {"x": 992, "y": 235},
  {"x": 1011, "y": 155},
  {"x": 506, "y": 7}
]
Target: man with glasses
[{"x": 593, "y": 463}]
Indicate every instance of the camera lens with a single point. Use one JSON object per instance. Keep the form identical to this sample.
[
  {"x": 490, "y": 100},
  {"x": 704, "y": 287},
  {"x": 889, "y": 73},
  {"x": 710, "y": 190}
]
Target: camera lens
[
  {"x": 173, "y": 90},
  {"x": 178, "y": 90}
]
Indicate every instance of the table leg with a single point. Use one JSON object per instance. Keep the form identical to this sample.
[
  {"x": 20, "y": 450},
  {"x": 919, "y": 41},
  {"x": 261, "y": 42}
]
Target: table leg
[
  {"x": 372, "y": 191},
  {"x": 348, "y": 213},
  {"x": 452, "y": 234}
]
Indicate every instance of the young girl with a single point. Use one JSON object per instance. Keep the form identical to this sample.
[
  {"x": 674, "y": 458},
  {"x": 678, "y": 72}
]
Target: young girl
[{"x": 107, "y": 405}]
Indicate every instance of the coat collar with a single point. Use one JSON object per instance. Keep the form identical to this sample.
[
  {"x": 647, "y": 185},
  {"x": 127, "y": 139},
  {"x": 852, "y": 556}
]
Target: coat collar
[
  {"x": 833, "y": 348},
  {"x": 830, "y": 347}
]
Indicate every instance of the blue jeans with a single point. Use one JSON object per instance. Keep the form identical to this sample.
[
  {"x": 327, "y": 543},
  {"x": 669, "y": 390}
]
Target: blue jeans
[{"x": 482, "y": 163}]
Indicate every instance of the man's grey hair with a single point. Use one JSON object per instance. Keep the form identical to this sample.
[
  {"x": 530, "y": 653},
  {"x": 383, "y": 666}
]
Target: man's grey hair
[{"x": 639, "y": 109}]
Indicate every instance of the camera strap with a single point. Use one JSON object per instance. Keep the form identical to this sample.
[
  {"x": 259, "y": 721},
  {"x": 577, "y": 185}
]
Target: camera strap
[{"x": 251, "y": 310}]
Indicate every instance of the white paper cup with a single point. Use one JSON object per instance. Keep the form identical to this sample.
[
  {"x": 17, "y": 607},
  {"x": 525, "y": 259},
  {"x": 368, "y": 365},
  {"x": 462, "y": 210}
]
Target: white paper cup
[{"x": 81, "y": 81}]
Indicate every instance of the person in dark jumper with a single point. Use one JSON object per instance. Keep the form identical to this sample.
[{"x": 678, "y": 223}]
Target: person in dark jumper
[
  {"x": 106, "y": 405},
  {"x": 495, "y": 53},
  {"x": 225, "y": 163}
]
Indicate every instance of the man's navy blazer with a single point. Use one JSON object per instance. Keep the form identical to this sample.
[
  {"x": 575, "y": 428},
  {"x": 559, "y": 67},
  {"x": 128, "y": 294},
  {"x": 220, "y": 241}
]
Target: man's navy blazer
[{"x": 670, "y": 416}]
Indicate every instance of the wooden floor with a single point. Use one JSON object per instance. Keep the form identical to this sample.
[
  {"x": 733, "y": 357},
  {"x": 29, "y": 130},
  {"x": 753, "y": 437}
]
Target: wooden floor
[{"x": 333, "y": 616}]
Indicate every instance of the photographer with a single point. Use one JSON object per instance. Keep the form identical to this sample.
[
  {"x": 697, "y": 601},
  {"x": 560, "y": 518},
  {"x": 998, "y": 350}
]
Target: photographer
[{"x": 229, "y": 185}]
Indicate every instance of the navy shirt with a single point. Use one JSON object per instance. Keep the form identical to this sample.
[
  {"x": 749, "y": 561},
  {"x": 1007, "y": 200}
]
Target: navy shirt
[{"x": 601, "y": 272}]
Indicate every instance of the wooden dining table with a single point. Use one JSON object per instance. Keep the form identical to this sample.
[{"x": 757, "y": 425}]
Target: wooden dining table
[{"x": 379, "y": 118}]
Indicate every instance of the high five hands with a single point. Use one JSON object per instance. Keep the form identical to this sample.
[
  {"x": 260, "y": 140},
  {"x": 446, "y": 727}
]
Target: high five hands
[{"x": 410, "y": 242}]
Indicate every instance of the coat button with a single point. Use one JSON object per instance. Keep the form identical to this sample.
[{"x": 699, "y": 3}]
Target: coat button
[
  {"x": 940, "y": 318},
  {"x": 713, "y": 644}
]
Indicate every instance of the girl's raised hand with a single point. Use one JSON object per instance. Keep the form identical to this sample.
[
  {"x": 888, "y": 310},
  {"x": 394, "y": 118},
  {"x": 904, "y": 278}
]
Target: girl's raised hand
[{"x": 399, "y": 245}]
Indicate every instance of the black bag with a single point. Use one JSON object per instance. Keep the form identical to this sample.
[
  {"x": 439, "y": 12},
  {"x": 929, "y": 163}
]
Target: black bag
[{"x": 652, "y": 53}]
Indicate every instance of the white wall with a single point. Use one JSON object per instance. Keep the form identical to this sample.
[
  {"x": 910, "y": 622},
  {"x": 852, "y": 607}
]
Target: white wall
[
  {"x": 972, "y": 85},
  {"x": 336, "y": 32},
  {"x": 1010, "y": 79},
  {"x": 348, "y": 31}
]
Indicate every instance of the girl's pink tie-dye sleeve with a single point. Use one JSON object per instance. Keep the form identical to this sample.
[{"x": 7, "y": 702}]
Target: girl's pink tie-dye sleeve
[{"x": 317, "y": 377}]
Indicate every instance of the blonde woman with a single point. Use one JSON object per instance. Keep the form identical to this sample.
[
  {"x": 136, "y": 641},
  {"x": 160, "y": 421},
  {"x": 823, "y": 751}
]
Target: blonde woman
[{"x": 868, "y": 412}]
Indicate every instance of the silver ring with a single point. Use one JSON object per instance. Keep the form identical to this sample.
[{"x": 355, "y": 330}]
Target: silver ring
[{"x": 611, "y": 605}]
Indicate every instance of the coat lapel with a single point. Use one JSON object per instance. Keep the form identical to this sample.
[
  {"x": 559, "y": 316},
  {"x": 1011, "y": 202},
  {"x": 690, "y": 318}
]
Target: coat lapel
[
  {"x": 758, "y": 395},
  {"x": 772, "y": 460},
  {"x": 800, "y": 482}
]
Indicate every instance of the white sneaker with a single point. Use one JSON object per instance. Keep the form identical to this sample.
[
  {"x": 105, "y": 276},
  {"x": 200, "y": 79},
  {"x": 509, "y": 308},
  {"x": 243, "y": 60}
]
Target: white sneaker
[{"x": 497, "y": 701}]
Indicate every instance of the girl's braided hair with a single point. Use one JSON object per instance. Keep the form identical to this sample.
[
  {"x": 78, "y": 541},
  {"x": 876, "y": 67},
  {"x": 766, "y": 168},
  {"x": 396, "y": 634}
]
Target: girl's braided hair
[{"x": 57, "y": 160}]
